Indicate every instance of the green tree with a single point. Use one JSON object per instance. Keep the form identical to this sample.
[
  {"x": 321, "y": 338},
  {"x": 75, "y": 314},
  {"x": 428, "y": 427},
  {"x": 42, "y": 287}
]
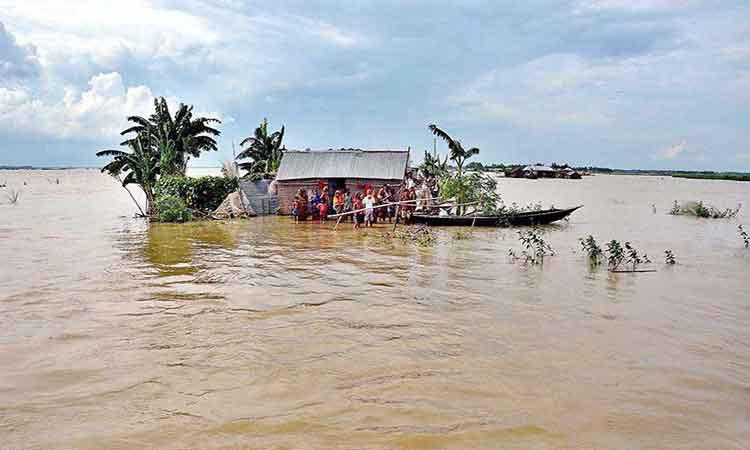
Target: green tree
[
  {"x": 139, "y": 166},
  {"x": 458, "y": 154},
  {"x": 433, "y": 166},
  {"x": 176, "y": 139},
  {"x": 264, "y": 151}
]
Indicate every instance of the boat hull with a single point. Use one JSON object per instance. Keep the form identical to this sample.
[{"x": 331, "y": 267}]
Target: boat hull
[{"x": 509, "y": 220}]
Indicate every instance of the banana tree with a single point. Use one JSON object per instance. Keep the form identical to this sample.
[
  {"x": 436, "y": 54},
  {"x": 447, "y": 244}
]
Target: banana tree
[{"x": 140, "y": 166}]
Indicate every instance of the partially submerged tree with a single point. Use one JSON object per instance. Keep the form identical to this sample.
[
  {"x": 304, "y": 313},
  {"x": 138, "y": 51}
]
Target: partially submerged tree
[
  {"x": 177, "y": 138},
  {"x": 458, "y": 154},
  {"x": 459, "y": 185},
  {"x": 139, "y": 166},
  {"x": 264, "y": 150}
]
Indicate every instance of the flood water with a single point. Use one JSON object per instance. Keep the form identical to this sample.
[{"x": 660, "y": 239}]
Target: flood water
[{"x": 261, "y": 334}]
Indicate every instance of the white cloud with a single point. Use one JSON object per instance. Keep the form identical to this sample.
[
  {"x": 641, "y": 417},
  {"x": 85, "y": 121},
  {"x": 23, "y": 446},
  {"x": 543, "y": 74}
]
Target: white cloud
[
  {"x": 16, "y": 61},
  {"x": 99, "y": 112}
]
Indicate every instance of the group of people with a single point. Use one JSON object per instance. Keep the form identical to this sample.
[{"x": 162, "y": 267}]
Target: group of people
[{"x": 364, "y": 208}]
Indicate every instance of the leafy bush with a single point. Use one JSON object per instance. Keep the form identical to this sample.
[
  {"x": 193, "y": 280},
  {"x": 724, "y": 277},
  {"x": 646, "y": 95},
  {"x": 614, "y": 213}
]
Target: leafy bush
[
  {"x": 201, "y": 193},
  {"x": 476, "y": 187},
  {"x": 699, "y": 209},
  {"x": 744, "y": 236},
  {"x": 171, "y": 208},
  {"x": 460, "y": 235},
  {"x": 535, "y": 247},
  {"x": 592, "y": 249},
  {"x": 634, "y": 258},
  {"x": 421, "y": 235},
  {"x": 615, "y": 254}
]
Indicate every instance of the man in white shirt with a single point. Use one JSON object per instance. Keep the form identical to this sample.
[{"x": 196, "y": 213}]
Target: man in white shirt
[{"x": 369, "y": 202}]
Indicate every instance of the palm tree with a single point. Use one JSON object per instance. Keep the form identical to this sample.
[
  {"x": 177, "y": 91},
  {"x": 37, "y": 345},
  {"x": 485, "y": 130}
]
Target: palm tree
[
  {"x": 176, "y": 138},
  {"x": 263, "y": 149},
  {"x": 140, "y": 166},
  {"x": 458, "y": 154}
]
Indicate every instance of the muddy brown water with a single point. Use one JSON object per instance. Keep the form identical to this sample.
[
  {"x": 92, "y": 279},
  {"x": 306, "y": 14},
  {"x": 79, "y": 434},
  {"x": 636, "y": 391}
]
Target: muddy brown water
[{"x": 262, "y": 334}]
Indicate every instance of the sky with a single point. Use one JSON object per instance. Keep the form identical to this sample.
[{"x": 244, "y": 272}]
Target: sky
[{"x": 618, "y": 83}]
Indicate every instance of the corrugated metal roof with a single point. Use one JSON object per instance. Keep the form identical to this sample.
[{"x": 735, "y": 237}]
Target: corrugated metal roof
[
  {"x": 538, "y": 169},
  {"x": 376, "y": 164}
]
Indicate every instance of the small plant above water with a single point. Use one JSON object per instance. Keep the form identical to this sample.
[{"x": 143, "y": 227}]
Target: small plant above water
[
  {"x": 535, "y": 248},
  {"x": 592, "y": 249},
  {"x": 744, "y": 236},
  {"x": 420, "y": 235},
  {"x": 634, "y": 258},
  {"x": 461, "y": 235},
  {"x": 615, "y": 255},
  {"x": 699, "y": 209},
  {"x": 669, "y": 258},
  {"x": 13, "y": 195}
]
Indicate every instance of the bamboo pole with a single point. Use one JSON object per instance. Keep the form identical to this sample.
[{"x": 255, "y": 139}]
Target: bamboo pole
[{"x": 331, "y": 216}]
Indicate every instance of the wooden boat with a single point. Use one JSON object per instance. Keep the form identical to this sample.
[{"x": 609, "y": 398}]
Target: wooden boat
[{"x": 508, "y": 220}]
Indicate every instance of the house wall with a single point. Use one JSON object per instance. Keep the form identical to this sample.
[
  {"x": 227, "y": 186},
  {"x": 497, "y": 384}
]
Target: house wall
[{"x": 288, "y": 189}]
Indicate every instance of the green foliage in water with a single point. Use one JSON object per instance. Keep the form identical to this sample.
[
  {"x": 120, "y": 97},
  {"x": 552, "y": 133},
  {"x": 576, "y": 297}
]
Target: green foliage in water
[
  {"x": 204, "y": 194},
  {"x": 421, "y": 235},
  {"x": 592, "y": 249},
  {"x": 669, "y": 258},
  {"x": 633, "y": 258},
  {"x": 476, "y": 187},
  {"x": 744, "y": 236},
  {"x": 171, "y": 208},
  {"x": 535, "y": 247},
  {"x": 700, "y": 209},
  {"x": 615, "y": 254},
  {"x": 461, "y": 235}
]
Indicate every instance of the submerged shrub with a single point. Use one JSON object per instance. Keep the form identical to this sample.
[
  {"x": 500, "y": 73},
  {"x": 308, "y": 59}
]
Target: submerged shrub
[
  {"x": 535, "y": 248},
  {"x": 13, "y": 195},
  {"x": 699, "y": 209},
  {"x": 633, "y": 257},
  {"x": 460, "y": 235},
  {"x": 172, "y": 209},
  {"x": 744, "y": 236},
  {"x": 201, "y": 193},
  {"x": 592, "y": 249},
  {"x": 669, "y": 258},
  {"x": 615, "y": 254},
  {"x": 421, "y": 235}
]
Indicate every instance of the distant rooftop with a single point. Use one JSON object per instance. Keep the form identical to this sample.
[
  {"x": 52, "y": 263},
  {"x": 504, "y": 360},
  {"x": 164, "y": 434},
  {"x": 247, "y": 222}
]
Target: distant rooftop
[{"x": 378, "y": 164}]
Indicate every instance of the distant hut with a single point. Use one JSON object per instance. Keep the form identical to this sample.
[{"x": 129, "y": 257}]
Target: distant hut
[
  {"x": 351, "y": 169},
  {"x": 539, "y": 171},
  {"x": 570, "y": 174}
]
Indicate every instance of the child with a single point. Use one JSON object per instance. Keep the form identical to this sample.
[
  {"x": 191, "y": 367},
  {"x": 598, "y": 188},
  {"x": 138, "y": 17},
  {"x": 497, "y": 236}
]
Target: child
[
  {"x": 295, "y": 208},
  {"x": 369, "y": 209},
  {"x": 322, "y": 211}
]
